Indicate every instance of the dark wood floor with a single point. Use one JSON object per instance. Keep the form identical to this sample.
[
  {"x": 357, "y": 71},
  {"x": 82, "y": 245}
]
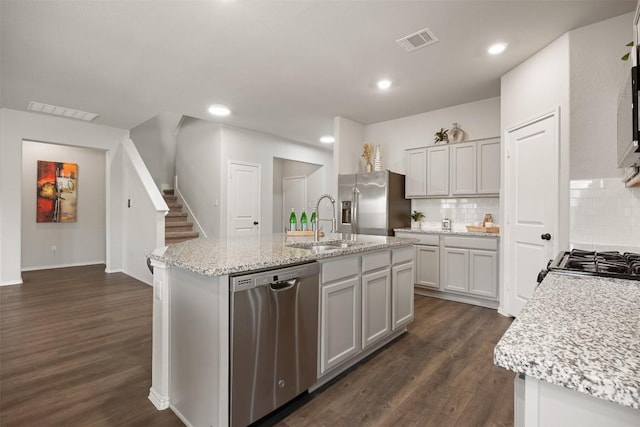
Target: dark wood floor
[{"x": 75, "y": 349}]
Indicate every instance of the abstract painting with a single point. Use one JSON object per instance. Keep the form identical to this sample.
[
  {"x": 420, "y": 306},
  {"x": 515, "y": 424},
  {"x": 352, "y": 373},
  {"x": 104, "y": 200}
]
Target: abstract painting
[{"x": 57, "y": 188}]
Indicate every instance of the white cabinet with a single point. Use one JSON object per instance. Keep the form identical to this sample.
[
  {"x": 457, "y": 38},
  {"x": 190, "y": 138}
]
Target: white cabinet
[
  {"x": 339, "y": 322},
  {"x": 416, "y": 173},
  {"x": 438, "y": 171},
  {"x": 428, "y": 266},
  {"x": 470, "y": 265},
  {"x": 488, "y": 170},
  {"x": 455, "y": 269},
  {"x": 483, "y": 273},
  {"x": 463, "y": 169},
  {"x": 402, "y": 279},
  {"x": 376, "y": 306}
]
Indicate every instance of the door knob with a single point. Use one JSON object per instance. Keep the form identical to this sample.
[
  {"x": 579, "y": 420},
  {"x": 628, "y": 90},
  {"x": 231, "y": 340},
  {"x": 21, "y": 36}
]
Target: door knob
[
  {"x": 546, "y": 236},
  {"x": 255, "y": 223}
]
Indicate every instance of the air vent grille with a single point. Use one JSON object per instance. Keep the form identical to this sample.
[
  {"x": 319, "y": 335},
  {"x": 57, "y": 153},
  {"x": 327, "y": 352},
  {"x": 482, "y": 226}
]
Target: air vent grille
[
  {"x": 417, "y": 40},
  {"x": 69, "y": 113}
]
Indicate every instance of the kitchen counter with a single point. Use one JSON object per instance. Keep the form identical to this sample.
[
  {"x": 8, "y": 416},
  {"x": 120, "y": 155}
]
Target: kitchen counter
[
  {"x": 218, "y": 257},
  {"x": 581, "y": 333},
  {"x": 444, "y": 232}
]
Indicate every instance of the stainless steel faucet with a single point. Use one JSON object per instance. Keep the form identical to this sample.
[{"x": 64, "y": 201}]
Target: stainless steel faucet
[{"x": 334, "y": 223}]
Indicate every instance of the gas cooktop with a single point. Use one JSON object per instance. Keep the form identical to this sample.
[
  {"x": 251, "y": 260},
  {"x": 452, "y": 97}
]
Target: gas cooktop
[{"x": 607, "y": 263}]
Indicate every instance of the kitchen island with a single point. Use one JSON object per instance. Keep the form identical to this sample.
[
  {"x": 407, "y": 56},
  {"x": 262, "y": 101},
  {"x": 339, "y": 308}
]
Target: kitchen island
[
  {"x": 365, "y": 296},
  {"x": 576, "y": 348}
]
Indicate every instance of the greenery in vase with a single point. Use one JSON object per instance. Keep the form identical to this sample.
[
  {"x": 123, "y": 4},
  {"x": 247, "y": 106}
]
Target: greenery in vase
[
  {"x": 441, "y": 135},
  {"x": 367, "y": 152},
  {"x": 417, "y": 216}
]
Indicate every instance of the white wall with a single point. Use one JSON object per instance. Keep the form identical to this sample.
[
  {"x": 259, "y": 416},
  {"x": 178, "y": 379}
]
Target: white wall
[
  {"x": 77, "y": 243},
  {"x": 480, "y": 119},
  {"x": 597, "y": 76},
  {"x": 18, "y": 126},
  {"x": 347, "y": 148},
  {"x": 155, "y": 140},
  {"x": 255, "y": 147},
  {"x": 198, "y": 168}
]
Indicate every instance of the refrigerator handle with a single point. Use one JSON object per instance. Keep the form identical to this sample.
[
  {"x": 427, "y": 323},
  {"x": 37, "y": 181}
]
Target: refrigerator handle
[{"x": 354, "y": 211}]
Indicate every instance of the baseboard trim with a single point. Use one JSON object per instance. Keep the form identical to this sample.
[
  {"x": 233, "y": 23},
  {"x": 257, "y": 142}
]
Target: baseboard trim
[
  {"x": 12, "y": 283},
  {"x": 73, "y": 264},
  {"x": 179, "y": 415},
  {"x": 457, "y": 298},
  {"x": 119, "y": 270},
  {"x": 189, "y": 212},
  {"x": 160, "y": 402}
]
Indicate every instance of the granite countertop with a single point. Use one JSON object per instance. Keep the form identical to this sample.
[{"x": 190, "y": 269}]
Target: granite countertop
[
  {"x": 217, "y": 257},
  {"x": 444, "y": 232},
  {"x": 581, "y": 333}
]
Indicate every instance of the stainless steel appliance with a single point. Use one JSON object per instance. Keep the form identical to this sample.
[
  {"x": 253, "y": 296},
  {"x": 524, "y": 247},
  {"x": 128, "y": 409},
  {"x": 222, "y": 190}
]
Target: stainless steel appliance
[
  {"x": 605, "y": 264},
  {"x": 274, "y": 339},
  {"x": 372, "y": 203}
]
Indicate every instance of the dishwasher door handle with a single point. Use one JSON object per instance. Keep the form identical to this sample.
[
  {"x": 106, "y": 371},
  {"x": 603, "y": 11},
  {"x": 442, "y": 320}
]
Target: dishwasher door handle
[{"x": 283, "y": 286}]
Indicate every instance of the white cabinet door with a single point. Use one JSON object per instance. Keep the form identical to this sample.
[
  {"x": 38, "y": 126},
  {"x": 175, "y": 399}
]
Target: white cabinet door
[
  {"x": 376, "y": 306},
  {"x": 463, "y": 169},
  {"x": 488, "y": 166},
  {"x": 416, "y": 173},
  {"x": 339, "y": 322},
  {"x": 455, "y": 269},
  {"x": 428, "y": 266},
  {"x": 438, "y": 171},
  {"x": 402, "y": 284},
  {"x": 483, "y": 273}
]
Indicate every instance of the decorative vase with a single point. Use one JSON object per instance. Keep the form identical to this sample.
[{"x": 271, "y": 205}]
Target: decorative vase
[
  {"x": 377, "y": 160},
  {"x": 456, "y": 134},
  {"x": 415, "y": 225},
  {"x": 368, "y": 167}
]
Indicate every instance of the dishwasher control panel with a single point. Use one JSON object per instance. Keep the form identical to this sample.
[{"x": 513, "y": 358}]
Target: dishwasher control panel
[{"x": 242, "y": 283}]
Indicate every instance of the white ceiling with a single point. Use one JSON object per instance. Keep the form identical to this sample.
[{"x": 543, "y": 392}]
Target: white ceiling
[{"x": 283, "y": 67}]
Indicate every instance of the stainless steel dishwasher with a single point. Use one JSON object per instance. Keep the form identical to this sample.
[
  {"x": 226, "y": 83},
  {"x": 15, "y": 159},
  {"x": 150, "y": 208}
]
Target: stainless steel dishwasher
[{"x": 274, "y": 339}]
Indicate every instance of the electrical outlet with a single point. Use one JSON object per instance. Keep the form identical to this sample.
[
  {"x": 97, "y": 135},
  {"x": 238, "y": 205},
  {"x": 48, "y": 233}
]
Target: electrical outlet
[{"x": 53, "y": 249}]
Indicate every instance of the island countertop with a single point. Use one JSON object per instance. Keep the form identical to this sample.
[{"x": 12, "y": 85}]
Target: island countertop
[
  {"x": 581, "y": 333},
  {"x": 455, "y": 232},
  {"x": 218, "y": 257}
]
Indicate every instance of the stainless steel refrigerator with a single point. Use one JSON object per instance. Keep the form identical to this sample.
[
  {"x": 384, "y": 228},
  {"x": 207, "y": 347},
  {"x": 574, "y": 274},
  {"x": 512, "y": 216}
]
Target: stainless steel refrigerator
[{"x": 372, "y": 203}]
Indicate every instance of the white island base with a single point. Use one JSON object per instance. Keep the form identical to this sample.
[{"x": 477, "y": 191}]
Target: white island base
[{"x": 542, "y": 404}]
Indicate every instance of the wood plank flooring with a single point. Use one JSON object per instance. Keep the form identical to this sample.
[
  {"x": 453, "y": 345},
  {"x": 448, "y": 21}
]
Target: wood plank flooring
[{"x": 75, "y": 350}]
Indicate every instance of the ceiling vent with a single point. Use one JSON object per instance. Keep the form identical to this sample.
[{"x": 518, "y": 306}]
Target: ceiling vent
[
  {"x": 61, "y": 111},
  {"x": 417, "y": 40}
]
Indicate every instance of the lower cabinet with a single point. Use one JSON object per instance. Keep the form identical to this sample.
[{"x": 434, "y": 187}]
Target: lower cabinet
[
  {"x": 428, "y": 266},
  {"x": 483, "y": 273},
  {"x": 340, "y": 322},
  {"x": 455, "y": 271},
  {"x": 363, "y": 299}
]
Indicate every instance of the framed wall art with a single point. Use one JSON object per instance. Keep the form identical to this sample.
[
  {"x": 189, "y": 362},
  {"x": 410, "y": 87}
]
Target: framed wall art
[{"x": 57, "y": 192}]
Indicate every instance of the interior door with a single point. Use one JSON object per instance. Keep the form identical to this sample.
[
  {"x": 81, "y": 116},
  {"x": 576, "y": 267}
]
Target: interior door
[
  {"x": 532, "y": 206},
  {"x": 243, "y": 199},
  {"x": 294, "y": 196}
]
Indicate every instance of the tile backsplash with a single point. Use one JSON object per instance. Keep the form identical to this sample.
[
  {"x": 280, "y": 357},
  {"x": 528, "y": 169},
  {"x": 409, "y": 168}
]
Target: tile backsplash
[
  {"x": 603, "y": 214},
  {"x": 461, "y": 211}
]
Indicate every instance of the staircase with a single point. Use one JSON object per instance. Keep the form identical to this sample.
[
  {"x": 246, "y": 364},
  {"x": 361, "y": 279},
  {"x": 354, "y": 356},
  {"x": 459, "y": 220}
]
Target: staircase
[{"x": 176, "y": 227}]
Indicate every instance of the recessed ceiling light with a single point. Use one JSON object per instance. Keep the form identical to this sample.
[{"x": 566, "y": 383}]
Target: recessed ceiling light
[
  {"x": 384, "y": 84},
  {"x": 219, "y": 110},
  {"x": 496, "y": 49},
  {"x": 327, "y": 139}
]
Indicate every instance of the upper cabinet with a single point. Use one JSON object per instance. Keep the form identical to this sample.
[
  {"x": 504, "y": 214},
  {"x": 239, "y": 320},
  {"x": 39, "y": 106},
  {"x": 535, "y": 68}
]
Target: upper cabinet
[
  {"x": 416, "y": 176},
  {"x": 453, "y": 170}
]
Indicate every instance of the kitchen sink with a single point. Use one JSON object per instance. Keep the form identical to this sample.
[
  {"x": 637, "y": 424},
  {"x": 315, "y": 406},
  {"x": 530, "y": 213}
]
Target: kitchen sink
[{"x": 327, "y": 245}]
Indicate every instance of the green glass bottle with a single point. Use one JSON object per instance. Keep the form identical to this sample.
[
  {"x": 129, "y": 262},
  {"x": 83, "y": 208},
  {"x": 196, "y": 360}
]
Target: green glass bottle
[
  {"x": 313, "y": 220},
  {"x": 293, "y": 221},
  {"x": 303, "y": 221}
]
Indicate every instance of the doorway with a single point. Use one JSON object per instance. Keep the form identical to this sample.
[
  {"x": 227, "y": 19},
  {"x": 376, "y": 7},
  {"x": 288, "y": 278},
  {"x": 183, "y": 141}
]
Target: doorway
[{"x": 304, "y": 184}]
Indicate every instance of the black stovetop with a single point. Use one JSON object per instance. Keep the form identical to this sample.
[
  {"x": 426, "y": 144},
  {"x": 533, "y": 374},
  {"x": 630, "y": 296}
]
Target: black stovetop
[{"x": 607, "y": 263}]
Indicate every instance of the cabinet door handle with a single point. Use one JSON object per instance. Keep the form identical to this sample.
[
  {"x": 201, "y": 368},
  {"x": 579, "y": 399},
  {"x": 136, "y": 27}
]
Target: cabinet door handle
[
  {"x": 546, "y": 236},
  {"x": 255, "y": 222}
]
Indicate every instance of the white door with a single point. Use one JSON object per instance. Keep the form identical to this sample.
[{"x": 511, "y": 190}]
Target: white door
[
  {"x": 294, "y": 196},
  {"x": 532, "y": 206},
  {"x": 243, "y": 199}
]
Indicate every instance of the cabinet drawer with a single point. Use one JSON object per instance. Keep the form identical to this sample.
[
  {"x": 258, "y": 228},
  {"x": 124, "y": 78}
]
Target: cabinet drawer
[
  {"x": 401, "y": 255},
  {"x": 428, "y": 239},
  {"x": 340, "y": 268},
  {"x": 487, "y": 243},
  {"x": 375, "y": 261}
]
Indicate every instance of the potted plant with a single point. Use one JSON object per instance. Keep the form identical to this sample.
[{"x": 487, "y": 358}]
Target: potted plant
[
  {"x": 416, "y": 219},
  {"x": 441, "y": 136}
]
